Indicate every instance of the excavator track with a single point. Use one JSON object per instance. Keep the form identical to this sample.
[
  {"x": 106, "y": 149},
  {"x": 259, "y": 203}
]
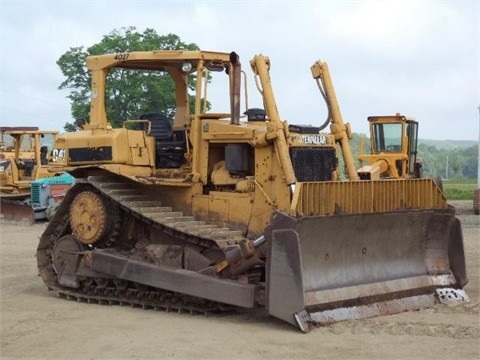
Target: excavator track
[{"x": 131, "y": 200}]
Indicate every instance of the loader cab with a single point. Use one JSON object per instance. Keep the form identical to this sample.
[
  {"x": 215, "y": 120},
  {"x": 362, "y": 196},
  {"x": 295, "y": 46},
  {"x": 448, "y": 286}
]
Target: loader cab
[
  {"x": 395, "y": 138},
  {"x": 393, "y": 149},
  {"x": 24, "y": 157}
]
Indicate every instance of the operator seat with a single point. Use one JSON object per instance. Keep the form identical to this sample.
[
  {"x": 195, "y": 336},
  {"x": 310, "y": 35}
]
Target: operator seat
[
  {"x": 28, "y": 166},
  {"x": 161, "y": 128},
  {"x": 169, "y": 145},
  {"x": 43, "y": 155}
]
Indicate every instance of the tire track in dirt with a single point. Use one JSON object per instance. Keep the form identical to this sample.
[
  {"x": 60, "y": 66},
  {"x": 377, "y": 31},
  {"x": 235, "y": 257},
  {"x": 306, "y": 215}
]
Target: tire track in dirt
[{"x": 22, "y": 328}]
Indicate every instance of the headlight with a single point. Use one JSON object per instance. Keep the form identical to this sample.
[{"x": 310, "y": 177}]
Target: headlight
[{"x": 186, "y": 67}]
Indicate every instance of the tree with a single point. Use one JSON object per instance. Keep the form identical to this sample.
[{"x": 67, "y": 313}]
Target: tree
[
  {"x": 433, "y": 160},
  {"x": 129, "y": 93},
  {"x": 470, "y": 168}
]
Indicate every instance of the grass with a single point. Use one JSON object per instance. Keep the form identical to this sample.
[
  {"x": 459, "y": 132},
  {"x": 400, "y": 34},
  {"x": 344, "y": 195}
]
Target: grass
[{"x": 459, "y": 189}]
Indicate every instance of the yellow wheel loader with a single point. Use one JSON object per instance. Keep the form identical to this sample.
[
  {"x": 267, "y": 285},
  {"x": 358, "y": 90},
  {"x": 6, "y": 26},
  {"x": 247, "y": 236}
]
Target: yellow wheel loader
[
  {"x": 393, "y": 149},
  {"x": 24, "y": 153},
  {"x": 214, "y": 208}
]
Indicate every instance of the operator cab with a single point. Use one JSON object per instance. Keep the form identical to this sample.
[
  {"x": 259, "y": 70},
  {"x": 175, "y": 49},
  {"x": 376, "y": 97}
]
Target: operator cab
[
  {"x": 391, "y": 133},
  {"x": 395, "y": 136}
]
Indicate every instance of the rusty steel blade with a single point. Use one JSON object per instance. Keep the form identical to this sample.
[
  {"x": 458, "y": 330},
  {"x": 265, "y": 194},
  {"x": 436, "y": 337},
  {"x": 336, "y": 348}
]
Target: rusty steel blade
[
  {"x": 330, "y": 268},
  {"x": 16, "y": 210}
]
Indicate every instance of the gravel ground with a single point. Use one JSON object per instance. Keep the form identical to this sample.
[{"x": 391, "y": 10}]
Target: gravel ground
[{"x": 35, "y": 324}]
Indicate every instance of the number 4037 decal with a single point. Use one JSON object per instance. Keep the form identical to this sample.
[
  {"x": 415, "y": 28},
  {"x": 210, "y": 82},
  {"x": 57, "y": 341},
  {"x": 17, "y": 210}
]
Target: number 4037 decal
[{"x": 121, "y": 56}]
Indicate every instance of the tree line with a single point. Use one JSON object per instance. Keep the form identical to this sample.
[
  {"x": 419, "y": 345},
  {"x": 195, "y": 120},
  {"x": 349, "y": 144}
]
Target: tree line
[{"x": 452, "y": 162}]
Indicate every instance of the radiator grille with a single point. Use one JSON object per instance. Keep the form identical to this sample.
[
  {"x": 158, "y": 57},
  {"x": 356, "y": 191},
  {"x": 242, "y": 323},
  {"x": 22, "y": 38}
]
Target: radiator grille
[
  {"x": 313, "y": 164},
  {"x": 35, "y": 193},
  {"x": 102, "y": 153}
]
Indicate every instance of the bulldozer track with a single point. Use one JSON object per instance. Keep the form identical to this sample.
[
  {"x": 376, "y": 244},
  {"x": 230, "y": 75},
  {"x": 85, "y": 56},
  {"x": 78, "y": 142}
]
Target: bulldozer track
[
  {"x": 126, "y": 293},
  {"x": 132, "y": 201}
]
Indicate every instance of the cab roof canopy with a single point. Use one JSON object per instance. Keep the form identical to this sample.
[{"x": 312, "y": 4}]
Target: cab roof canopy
[{"x": 157, "y": 59}]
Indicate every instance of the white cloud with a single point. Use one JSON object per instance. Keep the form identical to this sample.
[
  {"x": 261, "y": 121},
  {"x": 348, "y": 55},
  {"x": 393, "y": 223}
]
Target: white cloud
[{"x": 420, "y": 58}]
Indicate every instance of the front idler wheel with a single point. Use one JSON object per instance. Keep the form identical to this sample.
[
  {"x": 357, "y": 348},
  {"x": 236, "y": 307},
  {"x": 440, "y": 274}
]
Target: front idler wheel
[{"x": 66, "y": 259}]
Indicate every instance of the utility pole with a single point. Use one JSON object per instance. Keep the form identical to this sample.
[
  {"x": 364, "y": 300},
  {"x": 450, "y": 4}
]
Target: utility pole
[
  {"x": 476, "y": 194},
  {"x": 446, "y": 170},
  {"x": 478, "y": 171}
]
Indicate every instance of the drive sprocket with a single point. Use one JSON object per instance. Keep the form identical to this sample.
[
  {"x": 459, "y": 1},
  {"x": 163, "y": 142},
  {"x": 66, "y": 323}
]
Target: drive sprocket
[{"x": 89, "y": 219}]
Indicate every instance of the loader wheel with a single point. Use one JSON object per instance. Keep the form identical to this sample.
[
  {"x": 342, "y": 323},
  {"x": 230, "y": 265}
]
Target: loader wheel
[{"x": 88, "y": 217}]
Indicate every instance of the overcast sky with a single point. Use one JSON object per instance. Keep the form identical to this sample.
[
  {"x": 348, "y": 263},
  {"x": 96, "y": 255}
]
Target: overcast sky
[{"x": 419, "y": 58}]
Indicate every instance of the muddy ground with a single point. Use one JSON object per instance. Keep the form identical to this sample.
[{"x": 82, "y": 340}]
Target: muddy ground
[{"x": 36, "y": 324}]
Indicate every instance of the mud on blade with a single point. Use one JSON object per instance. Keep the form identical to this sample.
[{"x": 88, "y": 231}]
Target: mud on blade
[{"x": 324, "y": 269}]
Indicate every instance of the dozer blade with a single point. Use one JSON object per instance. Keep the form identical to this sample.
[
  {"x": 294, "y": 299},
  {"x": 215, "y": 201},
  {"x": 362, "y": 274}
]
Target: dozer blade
[
  {"x": 18, "y": 210},
  {"x": 325, "y": 269}
]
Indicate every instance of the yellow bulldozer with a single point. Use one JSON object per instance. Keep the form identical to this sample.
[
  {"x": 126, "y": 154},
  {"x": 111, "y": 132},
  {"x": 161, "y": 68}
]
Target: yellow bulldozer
[
  {"x": 23, "y": 159},
  {"x": 215, "y": 209}
]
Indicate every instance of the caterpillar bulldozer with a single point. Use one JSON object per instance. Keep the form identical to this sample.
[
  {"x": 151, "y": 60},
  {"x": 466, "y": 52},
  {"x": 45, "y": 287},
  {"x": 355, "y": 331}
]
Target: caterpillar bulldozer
[
  {"x": 23, "y": 159},
  {"x": 213, "y": 210}
]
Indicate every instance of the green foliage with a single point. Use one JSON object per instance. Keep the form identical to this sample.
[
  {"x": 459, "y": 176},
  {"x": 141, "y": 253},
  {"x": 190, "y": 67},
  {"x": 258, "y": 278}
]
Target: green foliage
[
  {"x": 459, "y": 189},
  {"x": 449, "y": 162},
  {"x": 357, "y": 149},
  {"x": 462, "y": 161},
  {"x": 69, "y": 127},
  {"x": 448, "y": 144},
  {"x": 129, "y": 93}
]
